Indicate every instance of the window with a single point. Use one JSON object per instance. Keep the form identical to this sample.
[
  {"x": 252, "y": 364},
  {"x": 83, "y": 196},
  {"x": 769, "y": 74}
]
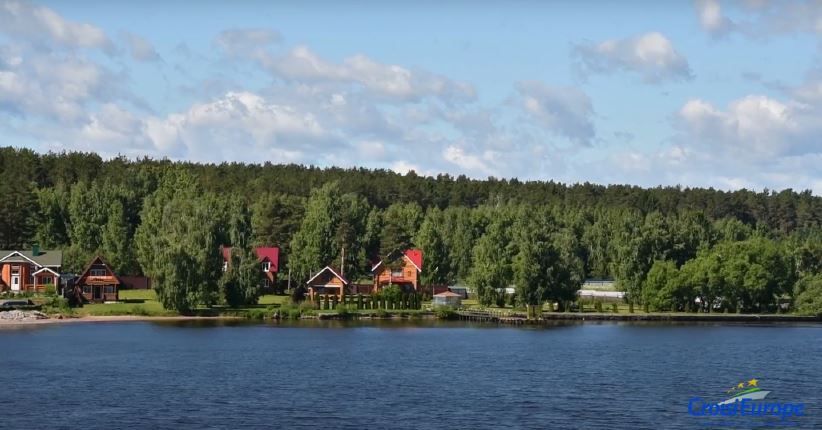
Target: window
[
  {"x": 46, "y": 280},
  {"x": 110, "y": 289},
  {"x": 266, "y": 283},
  {"x": 86, "y": 289},
  {"x": 396, "y": 273},
  {"x": 266, "y": 266},
  {"x": 31, "y": 279},
  {"x": 98, "y": 272},
  {"x": 225, "y": 266}
]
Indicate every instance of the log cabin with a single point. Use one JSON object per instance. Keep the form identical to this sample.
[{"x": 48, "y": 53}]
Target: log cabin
[
  {"x": 30, "y": 271},
  {"x": 98, "y": 283},
  {"x": 327, "y": 281},
  {"x": 400, "y": 268},
  {"x": 269, "y": 258}
]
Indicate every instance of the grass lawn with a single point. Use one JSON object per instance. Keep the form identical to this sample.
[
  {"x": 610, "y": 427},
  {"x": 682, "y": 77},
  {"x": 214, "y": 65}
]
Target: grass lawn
[
  {"x": 137, "y": 295},
  {"x": 271, "y": 299},
  {"x": 148, "y": 308}
]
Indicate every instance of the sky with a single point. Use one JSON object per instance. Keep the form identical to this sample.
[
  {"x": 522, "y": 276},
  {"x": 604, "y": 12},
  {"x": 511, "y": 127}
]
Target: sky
[{"x": 722, "y": 94}]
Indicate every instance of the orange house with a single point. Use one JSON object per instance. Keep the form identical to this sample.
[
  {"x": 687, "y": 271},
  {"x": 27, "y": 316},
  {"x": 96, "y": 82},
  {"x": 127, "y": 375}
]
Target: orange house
[
  {"x": 98, "y": 282},
  {"x": 327, "y": 281},
  {"x": 399, "y": 268},
  {"x": 29, "y": 271},
  {"x": 269, "y": 258}
]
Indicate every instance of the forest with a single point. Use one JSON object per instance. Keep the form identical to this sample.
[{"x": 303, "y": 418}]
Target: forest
[{"x": 669, "y": 248}]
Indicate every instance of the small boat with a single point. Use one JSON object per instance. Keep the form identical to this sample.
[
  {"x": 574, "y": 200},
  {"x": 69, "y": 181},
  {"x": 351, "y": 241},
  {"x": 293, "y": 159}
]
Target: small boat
[{"x": 752, "y": 394}]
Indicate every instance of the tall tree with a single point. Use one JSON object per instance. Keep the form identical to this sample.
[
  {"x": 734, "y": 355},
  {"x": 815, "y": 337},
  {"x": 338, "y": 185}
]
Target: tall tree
[
  {"x": 178, "y": 243},
  {"x": 491, "y": 270},
  {"x": 430, "y": 240},
  {"x": 313, "y": 246},
  {"x": 19, "y": 210}
]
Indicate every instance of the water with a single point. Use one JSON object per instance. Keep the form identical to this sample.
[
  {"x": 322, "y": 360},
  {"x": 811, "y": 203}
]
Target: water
[{"x": 397, "y": 376}]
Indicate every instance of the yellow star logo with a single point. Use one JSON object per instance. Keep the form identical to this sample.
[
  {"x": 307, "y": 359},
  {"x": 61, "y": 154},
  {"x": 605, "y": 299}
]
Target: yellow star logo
[
  {"x": 752, "y": 382},
  {"x": 741, "y": 385}
]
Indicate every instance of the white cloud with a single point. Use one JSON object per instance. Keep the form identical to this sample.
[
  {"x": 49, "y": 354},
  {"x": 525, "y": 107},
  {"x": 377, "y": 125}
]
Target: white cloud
[
  {"x": 711, "y": 18},
  {"x": 753, "y": 126},
  {"x": 23, "y": 20},
  {"x": 652, "y": 56},
  {"x": 385, "y": 80},
  {"x": 246, "y": 41},
  {"x": 54, "y": 86},
  {"x": 565, "y": 111},
  {"x": 140, "y": 48},
  {"x": 760, "y": 18}
]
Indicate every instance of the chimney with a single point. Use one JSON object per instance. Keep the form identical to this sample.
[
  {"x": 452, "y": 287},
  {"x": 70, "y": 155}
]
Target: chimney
[{"x": 35, "y": 250}]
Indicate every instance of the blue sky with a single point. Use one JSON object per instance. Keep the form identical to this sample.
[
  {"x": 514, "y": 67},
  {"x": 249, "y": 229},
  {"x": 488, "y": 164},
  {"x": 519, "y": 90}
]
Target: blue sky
[{"x": 705, "y": 93}]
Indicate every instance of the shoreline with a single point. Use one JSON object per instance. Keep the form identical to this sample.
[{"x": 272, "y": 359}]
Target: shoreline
[
  {"x": 113, "y": 318},
  {"x": 547, "y": 318}
]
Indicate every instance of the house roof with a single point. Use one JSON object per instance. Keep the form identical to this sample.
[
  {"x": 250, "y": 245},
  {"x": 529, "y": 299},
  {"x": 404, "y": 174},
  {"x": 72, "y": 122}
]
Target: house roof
[
  {"x": 447, "y": 294},
  {"x": 46, "y": 269},
  {"x": 270, "y": 253},
  {"x": 332, "y": 271},
  {"x": 413, "y": 255},
  {"x": 100, "y": 260},
  {"x": 48, "y": 258}
]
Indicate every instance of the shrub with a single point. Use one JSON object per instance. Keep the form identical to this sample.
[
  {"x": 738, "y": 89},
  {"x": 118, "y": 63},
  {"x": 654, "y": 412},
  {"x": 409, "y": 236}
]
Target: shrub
[
  {"x": 614, "y": 308},
  {"x": 445, "y": 313},
  {"x": 345, "y": 311},
  {"x": 630, "y": 307},
  {"x": 57, "y": 305},
  {"x": 50, "y": 290}
]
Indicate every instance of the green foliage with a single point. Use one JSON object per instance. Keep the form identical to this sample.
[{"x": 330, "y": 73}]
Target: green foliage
[
  {"x": 431, "y": 238},
  {"x": 19, "y": 209},
  {"x": 808, "y": 295},
  {"x": 392, "y": 294},
  {"x": 493, "y": 255},
  {"x": 724, "y": 251},
  {"x": 313, "y": 246},
  {"x": 445, "y": 313},
  {"x": 178, "y": 243}
]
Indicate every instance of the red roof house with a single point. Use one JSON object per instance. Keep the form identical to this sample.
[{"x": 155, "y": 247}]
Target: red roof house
[
  {"x": 269, "y": 258},
  {"x": 399, "y": 268}
]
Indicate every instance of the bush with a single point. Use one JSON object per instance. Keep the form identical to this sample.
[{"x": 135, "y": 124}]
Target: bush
[
  {"x": 345, "y": 311},
  {"x": 445, "y": 313},
  {"x": 614, "y": 308},
  {"x": 57, "y": 305},
  {"x": 50, "y": 290}
]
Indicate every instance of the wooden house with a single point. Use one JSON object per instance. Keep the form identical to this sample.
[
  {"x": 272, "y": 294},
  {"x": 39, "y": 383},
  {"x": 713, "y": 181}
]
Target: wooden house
[
  {"x": 98, "y": 282},
  {"x": 327, "y": 281},
  {"x": 30, "y": 271},
  {"x": 400, "y": 268},
  {"x": 269, "y": 258}
]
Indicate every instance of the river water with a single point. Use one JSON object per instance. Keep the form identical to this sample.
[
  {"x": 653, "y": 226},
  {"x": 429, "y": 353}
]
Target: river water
[{"x": 400, "y": 375}]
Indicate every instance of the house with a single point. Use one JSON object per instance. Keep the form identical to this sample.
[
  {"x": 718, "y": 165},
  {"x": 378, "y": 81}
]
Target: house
[
  {"x": 399, "y": 268},
  {"x": 327, "y": 281},
  {"x": 30, "y": 271},
  {"x": 269, "y": 258},
  {"x": 448, "y": 298},
  {"x": 98, "y": 282}
]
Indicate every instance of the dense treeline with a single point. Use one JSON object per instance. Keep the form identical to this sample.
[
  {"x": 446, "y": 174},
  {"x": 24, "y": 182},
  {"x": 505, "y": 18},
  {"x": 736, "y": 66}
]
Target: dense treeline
[{"x": 670, "y": 248}]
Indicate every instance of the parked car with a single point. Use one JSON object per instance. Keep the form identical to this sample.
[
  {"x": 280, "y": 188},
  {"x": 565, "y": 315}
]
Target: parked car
[{"x": 15, "y": 303}]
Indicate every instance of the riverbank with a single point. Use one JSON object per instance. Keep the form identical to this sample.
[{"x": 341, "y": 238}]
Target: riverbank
[
  {"x": 109, "y": 318},
  {"x": 467, "y": 316}
]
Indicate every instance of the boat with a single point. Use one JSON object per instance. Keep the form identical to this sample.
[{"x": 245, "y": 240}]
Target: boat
[{"x": 752, "y": 394}]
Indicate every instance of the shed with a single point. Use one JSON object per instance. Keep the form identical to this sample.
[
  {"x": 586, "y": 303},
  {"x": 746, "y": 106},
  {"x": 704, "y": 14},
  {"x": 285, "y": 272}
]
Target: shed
[{"x": 448, "y": 298}]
